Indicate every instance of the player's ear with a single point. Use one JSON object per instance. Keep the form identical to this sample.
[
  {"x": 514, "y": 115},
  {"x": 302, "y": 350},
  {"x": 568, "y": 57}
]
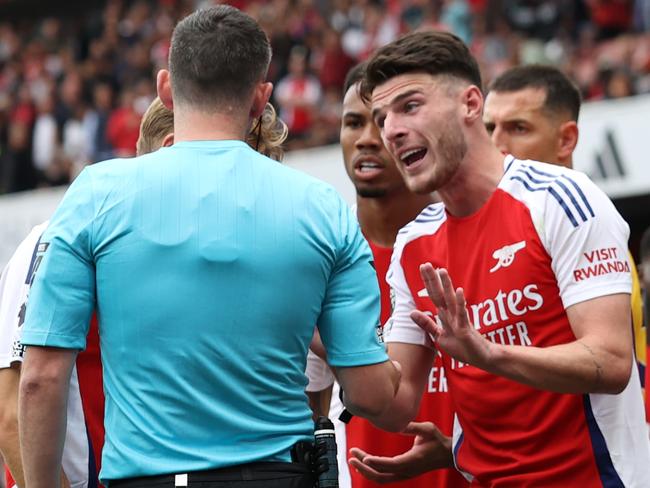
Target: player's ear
[
  {"x": 164, "y": 88},
  {"x": 568, "y": 140},
  {"x": 260, "y": 98},
  {"x": 168, "y": 140},
  {"x": 472, "y": 103}
]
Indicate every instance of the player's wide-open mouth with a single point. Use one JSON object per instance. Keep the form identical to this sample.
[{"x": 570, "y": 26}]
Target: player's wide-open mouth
[{"x": 412, "y": 155}]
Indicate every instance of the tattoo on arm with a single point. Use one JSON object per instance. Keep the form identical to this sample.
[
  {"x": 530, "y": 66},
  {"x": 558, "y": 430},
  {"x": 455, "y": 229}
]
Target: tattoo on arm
[{"x": 599, "y": 369}]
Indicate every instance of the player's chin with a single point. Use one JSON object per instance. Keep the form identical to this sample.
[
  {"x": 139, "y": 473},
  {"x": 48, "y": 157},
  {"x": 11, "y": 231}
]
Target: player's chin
[
  {"x": 421, "y": 183},
  {"x": 371, "y": 190}
]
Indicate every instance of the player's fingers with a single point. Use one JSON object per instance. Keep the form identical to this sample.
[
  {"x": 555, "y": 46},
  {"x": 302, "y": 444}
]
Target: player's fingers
[
  {"x": 423, "y": 429},
  {"x": 370, "y": 473},
  {"x": 448, "y": 291},
  {"x": 462, "y": 313},
  {"x": 427, "y": 324},
  {"x": 358, "y": 453},
  {"x": 433, "y": 285}
]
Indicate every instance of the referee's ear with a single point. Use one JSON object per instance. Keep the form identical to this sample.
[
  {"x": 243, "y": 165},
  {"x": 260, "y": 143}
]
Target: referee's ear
[
  {"x": 260, "y": 98},
  {"x": 164, "y": 88}
]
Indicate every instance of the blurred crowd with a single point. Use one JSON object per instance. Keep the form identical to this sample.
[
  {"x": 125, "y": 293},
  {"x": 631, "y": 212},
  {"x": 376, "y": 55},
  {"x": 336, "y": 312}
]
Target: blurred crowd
[{"x": 73, "y": 89}]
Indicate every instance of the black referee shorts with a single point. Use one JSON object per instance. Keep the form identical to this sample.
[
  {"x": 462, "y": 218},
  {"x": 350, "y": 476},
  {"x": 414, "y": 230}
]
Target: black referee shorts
[{"x": 253, "y": 475}]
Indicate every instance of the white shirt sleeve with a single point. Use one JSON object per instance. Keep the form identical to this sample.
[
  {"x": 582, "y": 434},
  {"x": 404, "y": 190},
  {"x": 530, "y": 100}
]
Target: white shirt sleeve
[
  {"x": 587, "y": 241},
  {"x": 400, "y": 327},
  {"x": 14, "y": 288},
  {"x": 318, "y": 373}
]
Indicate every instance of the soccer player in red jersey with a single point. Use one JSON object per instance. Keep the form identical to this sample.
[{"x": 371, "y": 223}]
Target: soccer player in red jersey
[
  {"x": 536, "y": 340},
  {"x": 384, "y": 206},
  {"x": 531, "y": 112}
]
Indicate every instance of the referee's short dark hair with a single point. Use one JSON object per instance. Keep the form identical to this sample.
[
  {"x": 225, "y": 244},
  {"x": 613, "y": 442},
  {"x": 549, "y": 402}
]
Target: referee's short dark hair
[
  {"x": 217, "y": 56},
  {"x": 562, "y": 95}
]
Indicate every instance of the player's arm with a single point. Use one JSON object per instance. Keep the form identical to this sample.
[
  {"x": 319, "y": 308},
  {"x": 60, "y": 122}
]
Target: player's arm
[
  {"x": 597, "y": 304},
  {"x": 9, "y": 440},
  {"x": 598, "y": 361},
  {"x": 391, "y": 408},
  {"x": 42, "y": 413},
  {"x": 370, "y": 390}
]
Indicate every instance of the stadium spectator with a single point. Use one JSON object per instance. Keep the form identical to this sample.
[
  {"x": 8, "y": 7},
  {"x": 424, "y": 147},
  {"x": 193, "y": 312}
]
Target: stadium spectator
[
  {"x": 103, "y": 104},
  {"x": 123, "y": 125},
  {"x": 298, "y": 95},
  {"x": 45, "y": 142},
  {"x": 122, "y": 42}
]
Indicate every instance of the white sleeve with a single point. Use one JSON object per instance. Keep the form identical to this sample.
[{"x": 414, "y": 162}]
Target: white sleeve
[
  {"x": 587, "y": 240},
  {"x": 318, "y": 373},
  {"x": 400, "y": 327},
  {"x": 14, "y": 288}
]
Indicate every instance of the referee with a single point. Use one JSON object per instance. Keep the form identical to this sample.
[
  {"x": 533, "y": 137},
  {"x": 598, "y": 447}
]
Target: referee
[{"x": 208, "y": 265}]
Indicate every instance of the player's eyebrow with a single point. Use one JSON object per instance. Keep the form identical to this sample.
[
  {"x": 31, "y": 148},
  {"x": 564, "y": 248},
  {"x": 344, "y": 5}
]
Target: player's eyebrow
[{"x": 394, "y": 101}]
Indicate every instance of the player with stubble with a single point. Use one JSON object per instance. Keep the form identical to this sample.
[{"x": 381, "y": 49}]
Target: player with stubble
[
  {"x": 383, "y": 206},
  {"x": 538, "y": 352}
]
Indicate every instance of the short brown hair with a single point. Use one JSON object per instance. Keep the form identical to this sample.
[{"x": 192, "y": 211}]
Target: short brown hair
[
  {"x": 432, "y": 52},
  {"x": 157, "y": 122}
]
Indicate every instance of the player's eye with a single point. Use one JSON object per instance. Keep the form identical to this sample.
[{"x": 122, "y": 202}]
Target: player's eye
[
  {"x": 410, "y": 106},
  {"x": 352, "y": 123}
]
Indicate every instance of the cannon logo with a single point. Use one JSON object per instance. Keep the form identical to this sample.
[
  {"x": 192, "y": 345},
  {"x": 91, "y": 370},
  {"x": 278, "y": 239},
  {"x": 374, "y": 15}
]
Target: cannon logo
[{"x": 506, "y": 255}]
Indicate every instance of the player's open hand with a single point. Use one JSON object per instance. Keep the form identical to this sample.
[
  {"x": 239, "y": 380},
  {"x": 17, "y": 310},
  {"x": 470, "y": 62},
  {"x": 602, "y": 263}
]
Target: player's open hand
[
  {"x": 453, "y": 332},
  {"x": 431, "y": 450}
]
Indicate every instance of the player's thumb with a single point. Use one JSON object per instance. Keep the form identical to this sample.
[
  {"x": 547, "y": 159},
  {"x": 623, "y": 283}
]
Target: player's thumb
[
  {"x": 426, "y": 324},
  {"x": 424, "y": 429}
]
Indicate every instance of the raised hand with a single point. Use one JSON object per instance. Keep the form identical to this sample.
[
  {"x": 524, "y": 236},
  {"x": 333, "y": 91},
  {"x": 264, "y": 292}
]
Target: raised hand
[{"x": 453, "y": 331}]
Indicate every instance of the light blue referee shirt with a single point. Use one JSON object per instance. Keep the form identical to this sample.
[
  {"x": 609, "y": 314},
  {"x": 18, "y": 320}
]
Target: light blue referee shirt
[{"x": 209, "y": 265}]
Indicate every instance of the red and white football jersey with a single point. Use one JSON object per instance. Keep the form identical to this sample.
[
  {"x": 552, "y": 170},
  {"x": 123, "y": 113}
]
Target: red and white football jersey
[
  {"x": 85, "y": 428},
  {"x": 547, "y": 239},
  {"x": 434, "y": 407}
]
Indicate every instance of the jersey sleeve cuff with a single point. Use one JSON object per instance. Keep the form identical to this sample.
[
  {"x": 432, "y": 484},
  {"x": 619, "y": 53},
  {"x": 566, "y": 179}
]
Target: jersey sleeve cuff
[
  {"x": 49, "y": 339},
  {"x": 595, "y": 291},
  {"x": 7, "y": 361},
  {"x": 358, "y": 359},
  {"x": 409, "y": 335}
]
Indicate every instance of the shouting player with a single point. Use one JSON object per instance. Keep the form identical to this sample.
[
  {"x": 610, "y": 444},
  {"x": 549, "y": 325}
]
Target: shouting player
[{"x": 520, "y": 276}]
